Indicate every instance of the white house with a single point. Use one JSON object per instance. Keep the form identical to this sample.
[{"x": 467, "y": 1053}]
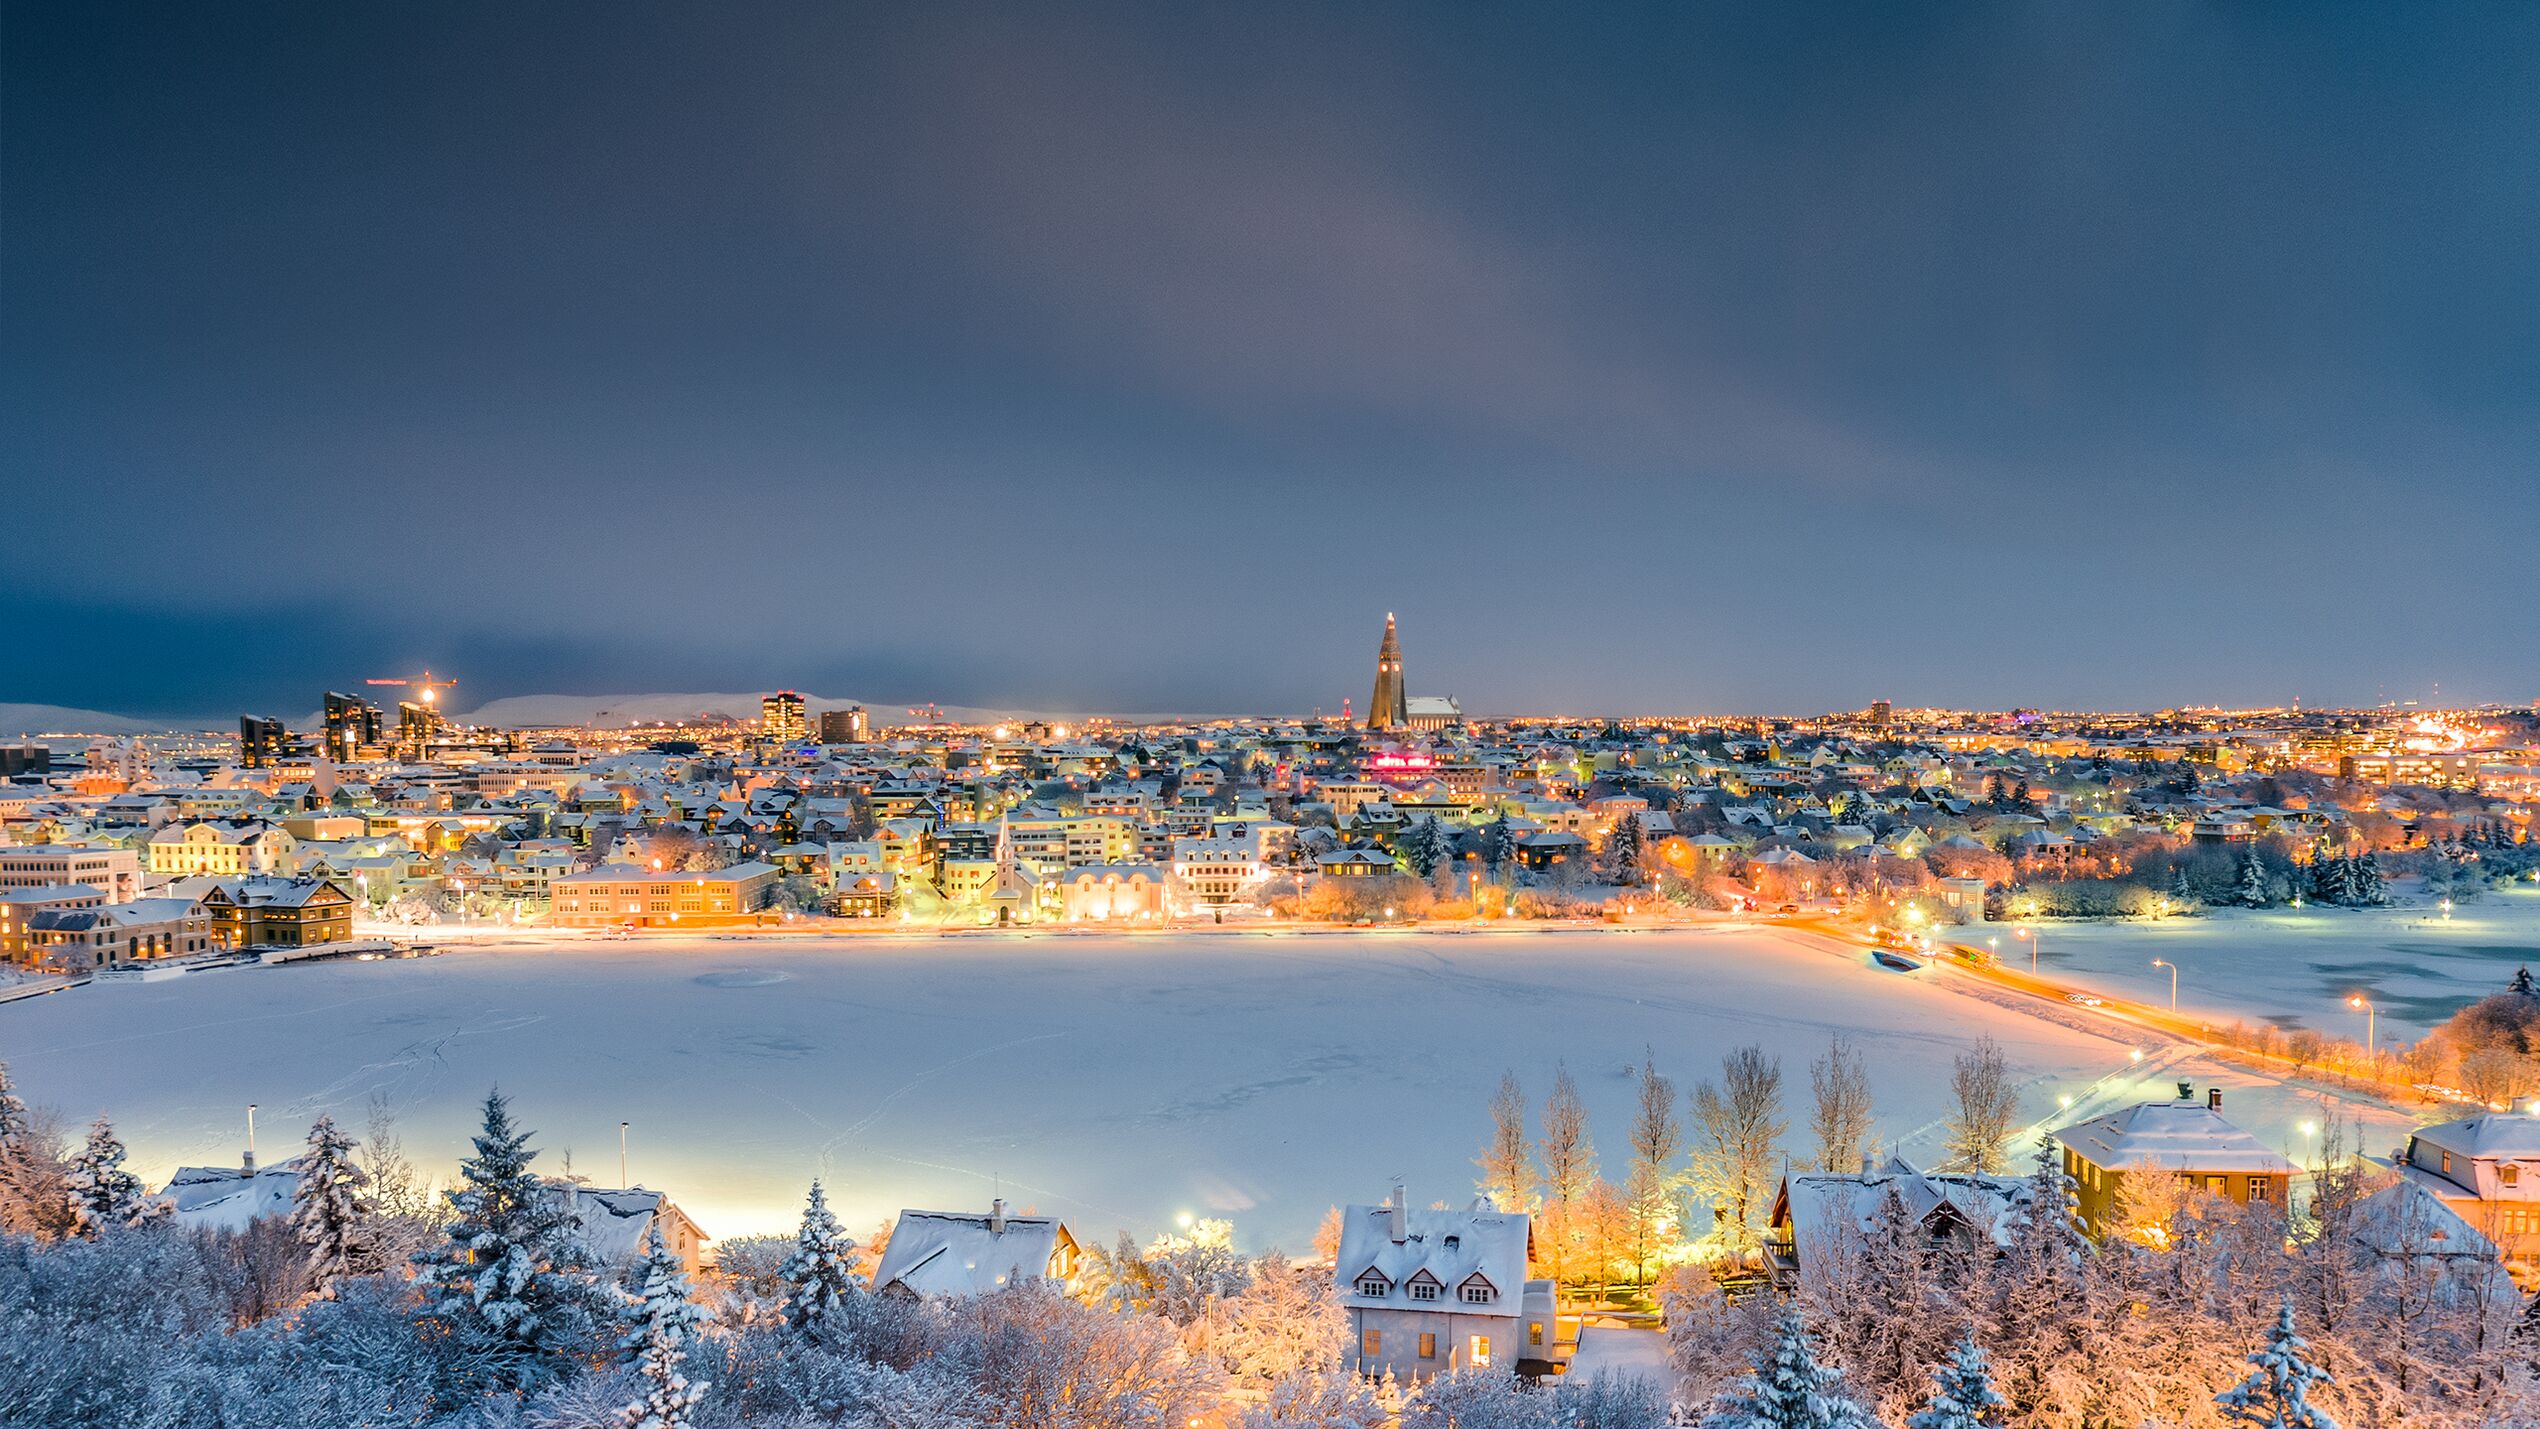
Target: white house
[
  {"x": 1431, "y": 1291},
  {"x": 952, "y": 1253}
]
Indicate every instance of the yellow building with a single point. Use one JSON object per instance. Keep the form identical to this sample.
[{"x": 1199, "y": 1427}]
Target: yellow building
[
  {"x": 621, "y": 895},
  {"x": 220, "y": 849},
  {"x": 278, "y": 912}
]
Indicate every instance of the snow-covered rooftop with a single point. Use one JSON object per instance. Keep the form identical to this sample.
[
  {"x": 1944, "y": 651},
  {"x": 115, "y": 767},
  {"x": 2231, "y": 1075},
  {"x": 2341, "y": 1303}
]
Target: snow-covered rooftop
[{"x": 2184, "y": 1135}]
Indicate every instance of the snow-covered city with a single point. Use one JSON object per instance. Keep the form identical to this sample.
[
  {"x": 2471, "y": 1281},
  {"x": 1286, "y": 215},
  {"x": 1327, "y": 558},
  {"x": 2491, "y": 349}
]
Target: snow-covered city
[{"x": 977, "y": 716}]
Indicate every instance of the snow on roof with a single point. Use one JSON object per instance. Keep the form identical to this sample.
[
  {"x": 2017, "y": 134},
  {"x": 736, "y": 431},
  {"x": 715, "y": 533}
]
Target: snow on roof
[
  {"x": 1612, "y": 1350},
  {"x": 958, "y": 1253},
  {"x": 227, "y": 1198},
  {"x": 1451, "y": 1246},
  {"x": 1821, "y": 1205},
  {"x": 2497, "y": 1136},
  {"x": 2406, "y": 1218},
  {"x": 2177, "y": 1135},
  {"x": 614, "y": 1222}
]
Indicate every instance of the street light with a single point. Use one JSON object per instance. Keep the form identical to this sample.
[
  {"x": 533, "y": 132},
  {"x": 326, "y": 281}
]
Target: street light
[
  {"x": 2372, "y": 1026},
  {"x": 2173, "y": 967},
  {"x": 2032, "y": 940}
]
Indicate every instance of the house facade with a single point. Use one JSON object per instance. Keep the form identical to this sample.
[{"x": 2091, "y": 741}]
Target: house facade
[
  {"x": 955, "y": 1253},
  {"x": 2486, "y": 1170},
  {"x": 1429, "y": 1291},
  {"x": 2186, "y": 1138}
]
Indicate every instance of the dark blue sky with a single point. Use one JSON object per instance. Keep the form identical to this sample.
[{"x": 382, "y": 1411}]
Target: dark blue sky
[{"x": 1701, "y": 358}]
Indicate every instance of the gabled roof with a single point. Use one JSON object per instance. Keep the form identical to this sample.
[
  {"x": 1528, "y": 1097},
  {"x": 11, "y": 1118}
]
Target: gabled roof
[
  {"x": 2181, "y": 1135},
  {"x": 957, "y": 1253},
  {"x": 1486, "y": 1242}
]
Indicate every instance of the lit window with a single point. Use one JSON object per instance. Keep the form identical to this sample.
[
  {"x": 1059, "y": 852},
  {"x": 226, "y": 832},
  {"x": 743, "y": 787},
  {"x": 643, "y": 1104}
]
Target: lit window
[
  {"x": 1478, "y": 1352},
  {"x": 1428, "y": 1346},
  {"x": 1371, "y": 1343}
]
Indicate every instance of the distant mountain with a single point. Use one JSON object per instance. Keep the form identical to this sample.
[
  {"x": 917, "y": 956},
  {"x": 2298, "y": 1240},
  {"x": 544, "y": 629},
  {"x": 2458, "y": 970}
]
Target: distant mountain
[
  {"x": 619, "y": 711},
  {"x": 19, "y": 720}
]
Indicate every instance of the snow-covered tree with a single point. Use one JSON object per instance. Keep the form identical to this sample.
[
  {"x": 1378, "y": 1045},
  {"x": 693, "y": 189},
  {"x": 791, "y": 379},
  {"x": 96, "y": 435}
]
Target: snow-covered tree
[
  {"x": 329, "y": 1212},
  {"x": 2252, "y": 890},
  {"x": 1317, "y": 1399},
  {"x": 1625, "y": 860},
  {"x": 1962, "y": 1393},
  {"x": 1499, "y": 844},
  {"x": 2366, "y": 885},
  {"x": 1427, "y": 846},
  {"x": 819, "y": 1276},
  {"x": 2277, "y": 1392},
  {"x": 1790, "y": 1390},
  {"x": 1285, "y": 1322},
  {"x": 31, "y": 1197},
  {"x": 661, "y": 1320},
  {"x": 102, "y": 1194},
  {"x": 1507, "y": 1167},
  {"x": 509, "y": 1282},
  {"x": 2331, "y": 880}
]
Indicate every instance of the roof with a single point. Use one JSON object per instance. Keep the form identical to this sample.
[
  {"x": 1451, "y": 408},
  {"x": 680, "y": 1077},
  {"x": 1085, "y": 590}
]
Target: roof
[
  {"x": 2181, "y": 1135},
  {"x": 1452, "y": 1246},
  {"x": 965, "y": 1253},
  {"x": 1823, "y": 1204},
  {"x": 227, "y": 1198},
  {"x": 2488, "y": 1136},
  {"x": 615, "y": 1222}
]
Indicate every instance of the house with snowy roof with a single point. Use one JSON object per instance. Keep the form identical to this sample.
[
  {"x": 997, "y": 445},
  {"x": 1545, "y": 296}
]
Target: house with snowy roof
[
  {"x": 615, "y": 1223},
  {"x": 2486, "y": 1169},
  {"x": 1817, "y": 1219},
  {"x": 2186, "y": 1138},
  {"x": 1430, "y": 1291},
  {"x": 953, "y": 1254}
]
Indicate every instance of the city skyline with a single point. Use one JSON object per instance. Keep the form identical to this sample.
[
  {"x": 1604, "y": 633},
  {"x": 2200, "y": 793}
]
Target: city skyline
[{"x": 1727, "y": 361}]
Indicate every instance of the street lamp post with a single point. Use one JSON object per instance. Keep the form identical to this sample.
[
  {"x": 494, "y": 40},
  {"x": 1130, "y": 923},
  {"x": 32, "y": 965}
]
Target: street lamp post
[
  {"x": 2372, "y": 1027},
  {"x": 2032, "y": 940},
  {"x": 2173, "y": 967}
]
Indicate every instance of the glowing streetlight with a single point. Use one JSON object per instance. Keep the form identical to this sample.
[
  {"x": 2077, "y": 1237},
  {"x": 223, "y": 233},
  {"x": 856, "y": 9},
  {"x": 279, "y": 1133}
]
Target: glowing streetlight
[
  {"x": 2372, "y": 1028},
  {"x": 2173, "y": 967},
  {"x": 2024, "y": 934}
]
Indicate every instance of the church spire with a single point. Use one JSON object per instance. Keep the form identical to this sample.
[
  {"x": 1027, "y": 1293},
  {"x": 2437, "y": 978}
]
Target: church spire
[{"x": 1388, "y": 708}]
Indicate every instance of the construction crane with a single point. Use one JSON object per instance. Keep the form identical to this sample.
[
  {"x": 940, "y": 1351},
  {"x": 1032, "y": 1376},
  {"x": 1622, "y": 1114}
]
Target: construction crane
[{"x": 431, "y": 687}]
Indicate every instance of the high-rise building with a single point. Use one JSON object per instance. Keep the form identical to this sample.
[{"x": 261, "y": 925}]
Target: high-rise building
[
  {"x": 846, "y": 726},
  {"x": 1388, "y": 708},
  {"x": 418, "y": 725},
  {"x": 1882, "y": 713},
  {"x": 352, "y": 726},
  {"x": 780, "y": 717},
  {"x": 262, "y": 741}
]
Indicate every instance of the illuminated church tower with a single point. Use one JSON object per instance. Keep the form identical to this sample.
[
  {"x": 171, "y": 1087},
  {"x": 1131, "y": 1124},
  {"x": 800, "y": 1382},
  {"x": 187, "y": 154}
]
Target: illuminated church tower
[{"x": 1387, "y": 709}]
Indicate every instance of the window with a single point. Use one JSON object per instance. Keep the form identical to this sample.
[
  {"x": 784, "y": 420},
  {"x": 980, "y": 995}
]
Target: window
[
  {"x": 1428, "y": 1346},
  {"x": 1373, "y": 1284},
  {"x": 1371, "y": 1344},
  {"x": 1534, "y": 1334},
  {"x": 1476, "y": 1294},
  {"x": 2509, "y": 1173},
  {"x": 2217, "y": 1185},
  {"x": 1477, "y": 1352},
  {"x": 1424, "y": 1290},
  {"x": 2259, "y": 1190}
]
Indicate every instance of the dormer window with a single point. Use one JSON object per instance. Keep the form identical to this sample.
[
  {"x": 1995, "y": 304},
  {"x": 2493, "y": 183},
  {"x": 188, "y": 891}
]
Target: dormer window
[
  {"x": 1476, "y": 1290},
  {"x": 2509, "y": 1173},
  {"x": 1374, "y": 1285},
  {"x": 1423, "y": 1290}
]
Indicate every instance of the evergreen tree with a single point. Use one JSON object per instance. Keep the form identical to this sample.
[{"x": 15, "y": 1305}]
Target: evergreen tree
[
  {"x": 2522, "y": 983},
  {"x": 1426, "y": 845},
  {"x": 2041, "y": 1300},
  {"x": 819, "y": 1276},
  {"x": 1790, "y": 1390},
  {"x": 509, "y": 1283},
  {"x": 102, "y": 1193},
  {"x": 1962, "y": 1394},
  {"x": 2329, "y": 881},
  {"x": 1499, "y": 844},
  {"x": 662, "y": 1320},
  {"x": 329, "y": 1212},
  {"x": 2276, "y": 1395},
  {"x": 1626, "y": 853},
  {"x": 2180, "y": 893},
  {"x": 2365, "y": 884},
  {"x": 2252, "y": 892}
]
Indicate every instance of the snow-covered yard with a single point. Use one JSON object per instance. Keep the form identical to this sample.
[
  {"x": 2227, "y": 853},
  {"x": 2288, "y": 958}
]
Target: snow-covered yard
[
  {"x": 1117, "y": 1081},
  {"x": 2297, "y": 967}
]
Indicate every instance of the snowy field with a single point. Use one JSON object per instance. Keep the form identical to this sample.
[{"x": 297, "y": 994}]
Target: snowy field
[
  {"x": 2298, "y": 967},
  {"x": 1117, "y": 1081}
]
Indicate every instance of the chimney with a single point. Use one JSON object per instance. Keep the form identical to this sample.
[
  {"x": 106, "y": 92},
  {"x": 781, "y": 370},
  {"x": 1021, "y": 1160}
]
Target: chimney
[
  {"x": 996, "y": 1216},
  {"x": 1394, "y": 1227},
  {"x": 2213, "y": 1099},
  {"x": 1867, "y": 1169},
  {"x": 2187, "y": 1091}
]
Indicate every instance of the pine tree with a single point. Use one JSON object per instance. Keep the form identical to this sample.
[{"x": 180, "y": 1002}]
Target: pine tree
[
  {"x": 1499, "y": 844},
  {"x": 1426, "y": 845},
  {"x": 2329, "y": 880},
  {"x": 2276, "y": 1395},
  {"x": 2522, "y": 983},
  {"x": 1626, "y": 850},
  {"x": 509, "y": 1283},
  {"x": 819, "y": 1277},
  {"x": 662, "y": 1320},
  {"x": 103, "y": 1195},
  {"x": 1962, "y": 1394},
  {"x": 2366, "y": 886},
  {"x": 2180, "y": 893},
  {"x": 329, "y": 1212},
  {"x": 2253, "y": 881},
  {"x": 1790, "y": 1390}
]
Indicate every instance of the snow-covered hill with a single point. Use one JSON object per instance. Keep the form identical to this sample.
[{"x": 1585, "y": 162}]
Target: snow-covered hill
[
  {"x": 619, "y": 711},
  {"x": 16, "y": 720}
]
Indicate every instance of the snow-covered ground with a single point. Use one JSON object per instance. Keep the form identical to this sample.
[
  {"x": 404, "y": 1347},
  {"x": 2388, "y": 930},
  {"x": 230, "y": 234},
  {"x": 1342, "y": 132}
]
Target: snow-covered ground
[
  {"x": 1117, "y": 1081},
  {"x": 2297, "y": 967}
]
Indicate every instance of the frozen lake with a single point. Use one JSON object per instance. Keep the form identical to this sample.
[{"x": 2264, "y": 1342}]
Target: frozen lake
[
  {"x": 1116, "y": 1081},
  {"x": 2297, "y": 967}
]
